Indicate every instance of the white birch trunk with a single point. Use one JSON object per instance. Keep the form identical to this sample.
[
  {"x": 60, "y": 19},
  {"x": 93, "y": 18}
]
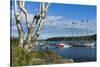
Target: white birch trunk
[
  {"x": 19, "y": 26},
  {"x": 30, "y": 39}
]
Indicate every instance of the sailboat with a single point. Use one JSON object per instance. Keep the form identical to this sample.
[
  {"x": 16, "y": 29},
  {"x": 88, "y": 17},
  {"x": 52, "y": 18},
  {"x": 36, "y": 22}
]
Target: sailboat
[
  {"x": 75, "y": 42},
  {"x": 87, "y": 43}
]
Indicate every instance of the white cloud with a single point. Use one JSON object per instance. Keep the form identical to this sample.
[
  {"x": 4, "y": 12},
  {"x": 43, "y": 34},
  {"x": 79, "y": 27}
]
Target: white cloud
[
  {"x": 61, "y": 22},
  {"x": 54, "y": 18},
  {"x": 58, "y": 25}
]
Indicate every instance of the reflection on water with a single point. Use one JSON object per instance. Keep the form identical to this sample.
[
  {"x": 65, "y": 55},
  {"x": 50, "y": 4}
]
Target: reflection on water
[{"x": 78, "y": 54}]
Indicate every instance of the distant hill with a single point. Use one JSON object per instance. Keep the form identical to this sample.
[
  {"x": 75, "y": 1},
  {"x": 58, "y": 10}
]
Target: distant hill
[{"x": 76, "y": 38}]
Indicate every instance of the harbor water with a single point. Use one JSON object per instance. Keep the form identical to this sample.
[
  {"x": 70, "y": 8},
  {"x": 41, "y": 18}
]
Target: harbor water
[{"x": 78, "y": 54}]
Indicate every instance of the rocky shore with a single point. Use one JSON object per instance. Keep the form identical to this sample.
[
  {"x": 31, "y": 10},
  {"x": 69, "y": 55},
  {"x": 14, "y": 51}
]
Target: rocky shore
[{"x": 20, "y": 57}]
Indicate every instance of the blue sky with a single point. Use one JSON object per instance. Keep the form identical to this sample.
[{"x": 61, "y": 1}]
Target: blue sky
[{"x": 59, "y": 20}]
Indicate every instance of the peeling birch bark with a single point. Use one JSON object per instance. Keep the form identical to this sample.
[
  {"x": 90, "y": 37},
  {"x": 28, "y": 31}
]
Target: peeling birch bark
[{"x": 30, "y": 38}]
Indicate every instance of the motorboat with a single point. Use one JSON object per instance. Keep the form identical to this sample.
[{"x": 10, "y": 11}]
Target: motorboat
[{"x": 89, "y": 44}]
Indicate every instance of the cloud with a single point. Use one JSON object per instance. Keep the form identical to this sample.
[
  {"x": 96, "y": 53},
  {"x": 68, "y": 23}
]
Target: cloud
[
  {"x": 57, "y": 26},
  {"x": 54, "y": 18},
  {"x": 61, "y": 23}
]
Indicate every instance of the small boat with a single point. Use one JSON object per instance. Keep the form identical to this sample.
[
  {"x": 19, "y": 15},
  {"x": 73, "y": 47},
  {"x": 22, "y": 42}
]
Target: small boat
[
  {"x": 89, "y": 44},
  {"x": 60, "y": 45},
  {"x": 67, "y": 46},
  {"x": 56, "y": 45}
]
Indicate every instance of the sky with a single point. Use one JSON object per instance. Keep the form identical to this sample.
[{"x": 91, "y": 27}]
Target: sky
[{"x": 62, "y": 20}]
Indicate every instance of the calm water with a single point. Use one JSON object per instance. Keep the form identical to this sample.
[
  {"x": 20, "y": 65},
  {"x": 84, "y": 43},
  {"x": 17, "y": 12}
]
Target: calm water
[{"x": 78, "y": 54}]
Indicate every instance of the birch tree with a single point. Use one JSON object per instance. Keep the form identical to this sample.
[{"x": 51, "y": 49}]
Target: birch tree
[{"x": 38, "y": 21}]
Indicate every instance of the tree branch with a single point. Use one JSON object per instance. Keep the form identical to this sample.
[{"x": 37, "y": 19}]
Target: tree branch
[
  {"x": 18, "y": 23},
  {"x": 18, "y": 16},
  {"x": 39, "y": 28},
  {"x": 47, "y": 6},
  {"x": 21, "y": 6},
  {"x": 15, "y": 10},
  {"x": 43, "y": 10}
]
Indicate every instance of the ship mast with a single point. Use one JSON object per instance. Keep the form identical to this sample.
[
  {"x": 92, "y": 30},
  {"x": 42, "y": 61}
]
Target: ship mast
[
  {"x": 82, "y": 35},
  {"x": 72, "y": 31},
  {"x": 87, "y": 29}
]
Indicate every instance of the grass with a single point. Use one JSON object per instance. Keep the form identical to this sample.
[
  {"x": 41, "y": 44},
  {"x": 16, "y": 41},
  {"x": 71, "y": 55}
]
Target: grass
[{"x": 20, "y": 57}]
